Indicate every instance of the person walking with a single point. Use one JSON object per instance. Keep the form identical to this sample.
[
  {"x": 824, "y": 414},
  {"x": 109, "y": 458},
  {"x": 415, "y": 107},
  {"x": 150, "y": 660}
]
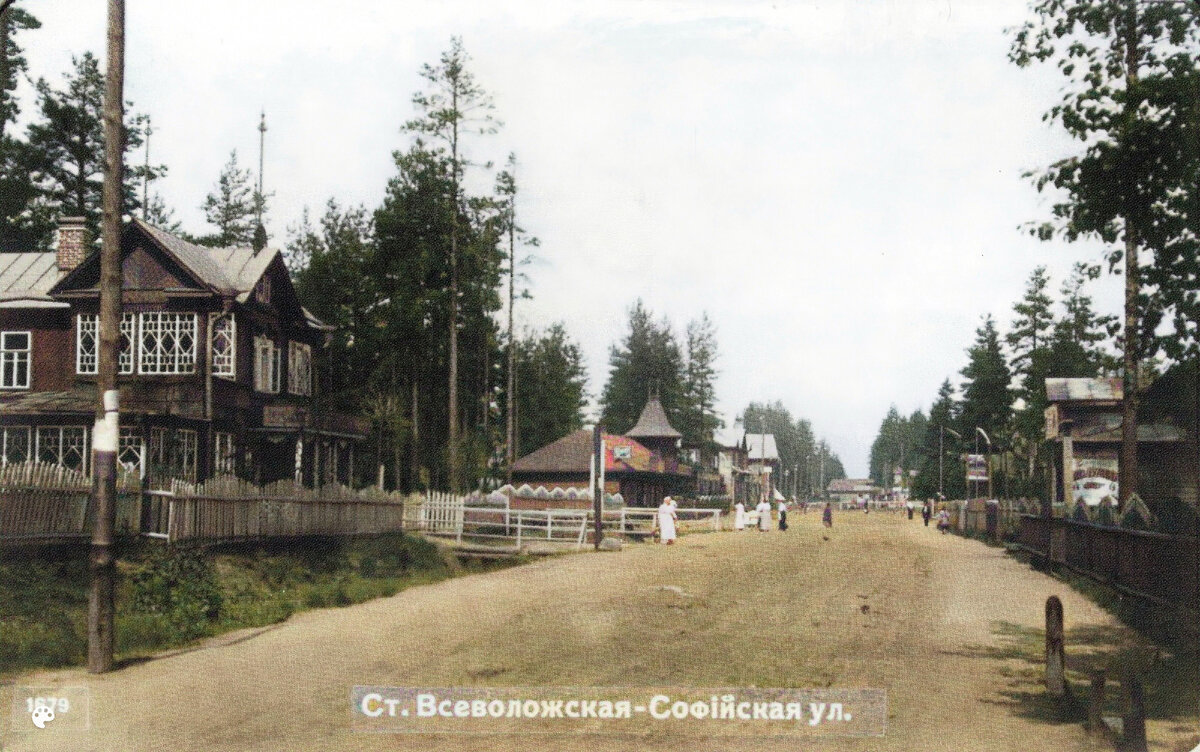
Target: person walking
[
  {"x": 944, "y": 521},
  {"x": 827, "y": 515},
  {"x": 666, "y": 521},
  {"x": 764, "y": 516},
  {"x": 926, "y": 512},
  {"x": 909, "y": 506},
  {"x": 783, "y": 510},
  {"x": 739, "y": 516}
]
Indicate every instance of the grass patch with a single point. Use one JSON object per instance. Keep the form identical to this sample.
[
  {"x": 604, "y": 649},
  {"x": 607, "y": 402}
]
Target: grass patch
[{"x": 170, "y": 597}]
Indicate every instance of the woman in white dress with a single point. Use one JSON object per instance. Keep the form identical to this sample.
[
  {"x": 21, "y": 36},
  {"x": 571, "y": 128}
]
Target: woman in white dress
[
  {"x": 764, "y": 516},
  {"x": 666, "y": 521},
  {"x": 739, "y": 516}
]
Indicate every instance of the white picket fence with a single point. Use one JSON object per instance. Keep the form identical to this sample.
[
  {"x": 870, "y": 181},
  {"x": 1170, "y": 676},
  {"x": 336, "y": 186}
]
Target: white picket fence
[{"x": 447, "y": 515}]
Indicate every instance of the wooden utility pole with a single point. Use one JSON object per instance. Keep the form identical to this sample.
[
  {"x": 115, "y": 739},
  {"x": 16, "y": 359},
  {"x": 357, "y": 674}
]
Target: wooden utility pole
[
  {"x": 1128, "y": 475},
  {"x": 598, "y": 488},
  {"x": 510, "y": 452},
  {"x": 107, "y": 430}
]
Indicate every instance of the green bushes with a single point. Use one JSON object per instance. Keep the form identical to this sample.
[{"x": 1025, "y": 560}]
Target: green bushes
[
  {"x": 167, "y": 597},
  {"x": 179, "y": 585}
]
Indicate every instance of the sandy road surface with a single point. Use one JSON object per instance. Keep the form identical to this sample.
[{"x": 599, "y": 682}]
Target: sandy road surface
[{"x": 949, "y": 631}]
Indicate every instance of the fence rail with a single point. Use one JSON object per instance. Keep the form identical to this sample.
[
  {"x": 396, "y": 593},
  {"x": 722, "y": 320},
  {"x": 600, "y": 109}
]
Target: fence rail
[{"x": 1154, "y": 566}]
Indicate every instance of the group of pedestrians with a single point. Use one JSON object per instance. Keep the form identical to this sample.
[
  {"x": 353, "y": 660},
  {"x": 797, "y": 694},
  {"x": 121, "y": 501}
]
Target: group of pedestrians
[
  {"x": 741, "y": 518},
  {"x": 943, "y": 516}
]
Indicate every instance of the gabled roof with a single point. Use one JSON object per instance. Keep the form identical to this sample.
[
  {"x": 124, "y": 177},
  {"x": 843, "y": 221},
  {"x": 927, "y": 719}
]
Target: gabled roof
[
  {"x": 653, "y": 423},
  {"x": 759, "y": 444},
  {"x": 573, "y": 454},
  {"x": 28, "y": 277}
]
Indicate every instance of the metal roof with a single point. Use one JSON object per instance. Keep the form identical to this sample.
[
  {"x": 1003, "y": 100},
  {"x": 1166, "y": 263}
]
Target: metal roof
[
  {"x": 1084, "y": 390},
  {"x": 653, "y": 423},
  {"x": 28, "y": 276}
]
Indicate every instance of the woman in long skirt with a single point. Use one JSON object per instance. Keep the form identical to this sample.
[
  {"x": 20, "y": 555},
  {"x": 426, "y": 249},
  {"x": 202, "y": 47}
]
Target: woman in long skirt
[
  {"x": 764, "y": 516},
  {"x": 666, "y": 521},
  {"x": 783, "y": 510},
  {"x": 739, "y": 516}
]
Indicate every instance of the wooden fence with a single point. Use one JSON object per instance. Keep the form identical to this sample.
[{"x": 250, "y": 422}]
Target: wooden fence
[
  {"x": 45, "y": 504},
  {"x": 1154, "y": 566}
]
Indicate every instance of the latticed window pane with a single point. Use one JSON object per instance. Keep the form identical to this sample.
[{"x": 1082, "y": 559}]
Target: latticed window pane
[
  {"x": 224, "y": 347},
  {"x": 49, "y": 445},
  {"x": 14, "y": 360},
  {"x": 224, "y": 453},
  {"x": 87, "y": 343},
  {"x": 184, "y": 459},
  {"x": 15, "y": 444},
  {"x": 168, "y": 343},
  {"x": 299, "y": 369},
  {"x": 129, "y": 451},
  {"x": 75, "y": 448}
]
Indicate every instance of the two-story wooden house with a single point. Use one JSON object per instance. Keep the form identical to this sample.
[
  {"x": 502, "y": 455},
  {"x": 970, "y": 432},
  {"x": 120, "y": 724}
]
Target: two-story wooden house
[{"x": 216, "y": 373}]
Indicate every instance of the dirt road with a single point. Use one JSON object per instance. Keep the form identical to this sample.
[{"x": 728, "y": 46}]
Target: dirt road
[{"x": 949, "y": 627}]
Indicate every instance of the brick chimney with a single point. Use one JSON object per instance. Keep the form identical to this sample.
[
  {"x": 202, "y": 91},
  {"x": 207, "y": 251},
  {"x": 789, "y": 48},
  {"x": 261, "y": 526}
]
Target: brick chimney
[{"x": 73, "y": 242}]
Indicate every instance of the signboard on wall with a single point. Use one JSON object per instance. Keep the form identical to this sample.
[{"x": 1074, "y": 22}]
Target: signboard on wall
[
  {"x": 622, "y": 452},
  {"x": 977, "y": 467},
  {"x": 1094, "y": 476}
]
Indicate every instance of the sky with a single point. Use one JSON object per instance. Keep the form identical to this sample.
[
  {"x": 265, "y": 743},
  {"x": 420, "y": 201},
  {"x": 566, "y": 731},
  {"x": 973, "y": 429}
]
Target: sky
[{"x": 839, "y": 185}]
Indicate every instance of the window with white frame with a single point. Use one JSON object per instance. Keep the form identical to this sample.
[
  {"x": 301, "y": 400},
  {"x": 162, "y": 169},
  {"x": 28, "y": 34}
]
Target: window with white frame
[
  {"x": 129, "y": 450},
  {"x": 166, "y": 343},
  {"x": 15, "y": 350},
  {"x": 14, "y": 445},
  {"x": 267, "y": 365},
  {"x": 65, "y": 446},
  {"x": 300, "y": 369},
  {"x": 224, "y": 347},
  {"x": 87, "y": 343},
  {"x": 173, "y": 453},
  {"x": 224, "y": 453}
]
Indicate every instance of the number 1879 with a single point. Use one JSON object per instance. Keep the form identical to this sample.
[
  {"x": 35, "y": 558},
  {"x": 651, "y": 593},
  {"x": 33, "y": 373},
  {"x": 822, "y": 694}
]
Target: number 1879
[{"x": 57, "y": 704}]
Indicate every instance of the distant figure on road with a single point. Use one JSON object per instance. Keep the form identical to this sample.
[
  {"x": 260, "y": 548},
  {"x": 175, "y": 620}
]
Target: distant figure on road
[
  {"x": 944, "y": 521},
  {"x": 739, "y": 516},
  {"x": 783, "y": 509},
  {"x": 827, "y": 515},
  {"x": 666, "y": 521},
  {"x": 926, "y": 512},
  {"x": 764, "y": 516},
  {"x": 909, "y": 506}
]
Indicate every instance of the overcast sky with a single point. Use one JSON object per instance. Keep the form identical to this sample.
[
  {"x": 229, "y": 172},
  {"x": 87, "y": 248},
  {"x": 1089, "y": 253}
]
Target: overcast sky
[{"x": 838, "y": 184}]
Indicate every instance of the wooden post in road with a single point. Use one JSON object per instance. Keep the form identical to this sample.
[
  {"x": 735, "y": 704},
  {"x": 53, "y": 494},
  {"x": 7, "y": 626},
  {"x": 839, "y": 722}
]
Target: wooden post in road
[
  {"x": 101, "y": 617},
  {"x": 1056, "y": 658}
]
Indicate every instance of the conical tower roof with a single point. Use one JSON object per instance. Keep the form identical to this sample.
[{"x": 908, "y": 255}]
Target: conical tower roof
[{"x": 653, "y": 423}]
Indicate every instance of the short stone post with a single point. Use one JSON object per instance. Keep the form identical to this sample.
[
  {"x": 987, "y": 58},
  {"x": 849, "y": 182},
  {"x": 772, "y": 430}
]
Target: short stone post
[
  {"x": 1134, "y": 733},
  {"x": 1056, "y": 658},
  {"x": 1096, "y": 704}
]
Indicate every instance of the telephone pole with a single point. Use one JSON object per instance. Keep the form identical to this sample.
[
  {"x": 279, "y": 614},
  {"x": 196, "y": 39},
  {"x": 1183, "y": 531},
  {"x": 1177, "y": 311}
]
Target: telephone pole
[{"x": 107, "y": 429}]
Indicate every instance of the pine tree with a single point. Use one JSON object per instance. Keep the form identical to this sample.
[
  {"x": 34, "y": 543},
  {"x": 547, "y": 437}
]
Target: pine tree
[
  {"x": 552, "y": 382},
  {"x": 452, "y": 106},
  {"x": 698, "y": 418},
  {"x": 648, "y": 361},
  {"x": 231, "y": 207},
  {"x": 13, "y": 64},
  {"x": 987, "y": 400}
]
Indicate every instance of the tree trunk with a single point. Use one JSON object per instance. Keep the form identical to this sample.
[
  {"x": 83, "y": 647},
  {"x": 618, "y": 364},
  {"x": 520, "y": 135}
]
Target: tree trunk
[
  {"x": 509, "y": 448},
  {"x": 452, "y": 410}
]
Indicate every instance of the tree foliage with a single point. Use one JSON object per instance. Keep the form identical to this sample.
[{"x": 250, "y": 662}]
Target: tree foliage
[
  {"x": 551, "y": 385},
  {"x": 647, "y": 361}
]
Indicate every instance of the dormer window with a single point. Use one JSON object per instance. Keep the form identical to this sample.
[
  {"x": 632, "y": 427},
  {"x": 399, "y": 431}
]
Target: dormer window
[{"x": 262, "y": 291}]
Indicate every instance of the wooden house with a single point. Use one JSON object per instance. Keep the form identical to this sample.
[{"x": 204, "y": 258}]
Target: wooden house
[{"x": 216, "y": 372}]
